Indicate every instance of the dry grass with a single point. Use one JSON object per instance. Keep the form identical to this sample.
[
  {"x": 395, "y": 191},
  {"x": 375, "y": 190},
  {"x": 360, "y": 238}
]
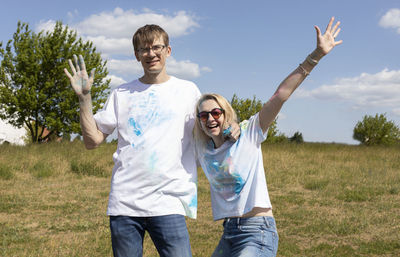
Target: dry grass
[
  {"x": 335, "y": 200},
  {"x": 328, "y": 199}
]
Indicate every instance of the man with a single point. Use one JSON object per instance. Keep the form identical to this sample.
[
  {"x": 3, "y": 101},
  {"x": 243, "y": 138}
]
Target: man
[{"x": 153, "y": 183}]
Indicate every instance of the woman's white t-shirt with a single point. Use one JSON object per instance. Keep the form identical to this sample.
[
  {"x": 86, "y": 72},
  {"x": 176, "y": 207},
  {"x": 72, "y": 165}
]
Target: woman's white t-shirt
[{"x": 236, "y": 172}]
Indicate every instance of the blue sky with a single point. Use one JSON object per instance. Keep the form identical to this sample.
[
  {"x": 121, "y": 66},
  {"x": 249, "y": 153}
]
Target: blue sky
[{"x": 248, "y": 48}]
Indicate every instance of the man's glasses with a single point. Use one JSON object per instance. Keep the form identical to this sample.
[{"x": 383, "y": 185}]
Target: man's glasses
[
  {"x": 156, "y": 49},
  {"x": 215, "y": 113}
]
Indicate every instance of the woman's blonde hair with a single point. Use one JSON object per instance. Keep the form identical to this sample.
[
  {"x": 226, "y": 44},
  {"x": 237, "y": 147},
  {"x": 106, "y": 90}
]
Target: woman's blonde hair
[{"x": 229, "y": 116}]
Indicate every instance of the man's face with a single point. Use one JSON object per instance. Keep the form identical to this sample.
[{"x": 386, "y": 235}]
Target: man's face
[{"x": 154, "y": 56}]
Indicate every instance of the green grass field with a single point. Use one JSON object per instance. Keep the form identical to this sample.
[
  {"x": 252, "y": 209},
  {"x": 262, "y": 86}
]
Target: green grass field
[{"x": 328, "y": 200}]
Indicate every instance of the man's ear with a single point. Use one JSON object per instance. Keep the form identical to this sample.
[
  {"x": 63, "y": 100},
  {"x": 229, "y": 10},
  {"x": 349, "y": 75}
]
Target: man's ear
[{"x": 169, "y": 51}]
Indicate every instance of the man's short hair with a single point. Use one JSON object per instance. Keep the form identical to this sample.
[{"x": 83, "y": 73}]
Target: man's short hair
[{"x": 147, "y": 34}]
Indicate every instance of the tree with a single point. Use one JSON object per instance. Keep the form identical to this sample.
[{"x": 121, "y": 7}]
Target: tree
[
  {"x": 34, "y": 91},
  {"x": 297, "y": 138},
  {"x": 376, "y": 131},
  {"x": 274, "y": 136},
  {"x": 27, "y": 138},
  {"x": 245, "y": 108}
]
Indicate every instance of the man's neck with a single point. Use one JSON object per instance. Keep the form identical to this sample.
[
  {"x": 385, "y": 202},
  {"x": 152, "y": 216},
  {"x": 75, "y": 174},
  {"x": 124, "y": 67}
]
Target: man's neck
[{"x": 154, "y": 78}]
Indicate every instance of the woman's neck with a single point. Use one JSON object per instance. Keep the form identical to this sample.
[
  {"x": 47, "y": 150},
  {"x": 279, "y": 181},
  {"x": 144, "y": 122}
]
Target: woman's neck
[{"x": 218, "y": 141}]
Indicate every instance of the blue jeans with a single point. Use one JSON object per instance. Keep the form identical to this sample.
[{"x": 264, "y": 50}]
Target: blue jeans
[
  {"x": 248, "y": 237},
  {"x": 169, "y": 234}
]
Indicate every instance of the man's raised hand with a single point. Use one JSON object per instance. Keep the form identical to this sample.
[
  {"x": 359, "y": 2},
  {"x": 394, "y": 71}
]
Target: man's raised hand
[{"x": 80, "y": 81}]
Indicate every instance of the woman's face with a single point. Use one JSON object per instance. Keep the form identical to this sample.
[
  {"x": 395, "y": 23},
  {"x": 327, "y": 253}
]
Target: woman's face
[{"x": 213, "y": 125}]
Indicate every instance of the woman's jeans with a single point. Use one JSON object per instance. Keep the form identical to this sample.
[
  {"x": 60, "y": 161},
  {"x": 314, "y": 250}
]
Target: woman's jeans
[
  {"x": 252, "y": 237},
  {"x": 169, "y": 234}
]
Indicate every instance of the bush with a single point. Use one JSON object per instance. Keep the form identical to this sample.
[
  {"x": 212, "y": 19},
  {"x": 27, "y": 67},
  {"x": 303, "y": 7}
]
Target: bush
[
  {"x": 297, "y": 138},
  {"x": 274, "y": 136},
  {"x": 280, "y": 138},
  {"x": 376, "y": 131}
]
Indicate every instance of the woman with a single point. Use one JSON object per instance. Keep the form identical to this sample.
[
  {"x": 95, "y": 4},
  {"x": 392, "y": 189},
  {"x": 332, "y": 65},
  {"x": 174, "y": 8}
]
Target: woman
[{"x": 235, "y": 170}]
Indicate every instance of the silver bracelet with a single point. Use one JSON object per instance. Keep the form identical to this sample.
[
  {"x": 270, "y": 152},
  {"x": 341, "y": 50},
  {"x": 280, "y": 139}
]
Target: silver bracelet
[
  {"x": 311, "y": 61},
  {"x": 305, "y": 72}
]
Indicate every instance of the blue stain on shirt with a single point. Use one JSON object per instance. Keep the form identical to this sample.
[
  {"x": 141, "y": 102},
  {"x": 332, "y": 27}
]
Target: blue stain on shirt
[
  {"x": 224, "y": 178},
  {"x": 239, "y": 183},
  {"x": 136, "y": 127},
  {"x": 193, "y": 203},
  {"x": 144, "y": 116},
  {"x": 153, "y": 159},
  {"x": 215, "y": 165}
]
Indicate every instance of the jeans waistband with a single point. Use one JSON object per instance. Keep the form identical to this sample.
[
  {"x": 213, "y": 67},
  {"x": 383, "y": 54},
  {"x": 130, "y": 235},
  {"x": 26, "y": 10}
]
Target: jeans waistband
[{"x": 240, "y": 221}]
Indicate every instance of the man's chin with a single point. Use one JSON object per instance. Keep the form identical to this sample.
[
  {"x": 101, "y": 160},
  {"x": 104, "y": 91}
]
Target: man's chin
[{"x": 154, "y": 71}]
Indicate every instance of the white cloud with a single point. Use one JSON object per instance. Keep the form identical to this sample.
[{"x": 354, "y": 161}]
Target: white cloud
[
  {"x": 391, "y": 19},
  {"x": 125, "y": 67},
  {"x": 183, "y": 69},
  {"x": 110, "y": 46},
  {"x": 115, "y": 81},
  {"x": 45, "y": 25},
  {"x": 111, "y": 32},
  {"x": 122, "y": 24},
  {"x": 381, "y": 89}
]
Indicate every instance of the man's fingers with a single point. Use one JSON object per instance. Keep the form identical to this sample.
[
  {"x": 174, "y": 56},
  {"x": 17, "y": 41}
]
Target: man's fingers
[
  {"x": 91, "y": 78},
  {"x": 235, "y": 135},
  {"x": 67, "y": 73},
  {"x": 234, "y": 132},
  {"x": 76, "y": 63},
  {"x": 82, "y": 63},
  {"x": 72, "y": 66}
]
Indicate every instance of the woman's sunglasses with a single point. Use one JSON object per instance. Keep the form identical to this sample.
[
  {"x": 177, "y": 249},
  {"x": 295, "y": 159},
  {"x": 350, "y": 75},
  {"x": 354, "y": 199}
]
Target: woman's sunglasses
[{"x": 215, "y": 113}]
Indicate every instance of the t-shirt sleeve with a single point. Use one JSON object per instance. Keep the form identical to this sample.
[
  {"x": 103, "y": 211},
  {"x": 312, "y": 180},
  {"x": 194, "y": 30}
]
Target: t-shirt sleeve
[
  {"x": 252, "y": 130},
  {"x": 106, "y": 118}
]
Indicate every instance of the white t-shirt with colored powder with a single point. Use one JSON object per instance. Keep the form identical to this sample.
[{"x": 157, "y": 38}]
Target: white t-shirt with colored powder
[
  {"x": 155, "y": 169},
  {"x": 235, "y": 171}
]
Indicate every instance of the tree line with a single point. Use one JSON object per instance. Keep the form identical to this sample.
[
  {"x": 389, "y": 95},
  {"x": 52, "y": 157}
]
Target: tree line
[{"x": 35, "y": 93}]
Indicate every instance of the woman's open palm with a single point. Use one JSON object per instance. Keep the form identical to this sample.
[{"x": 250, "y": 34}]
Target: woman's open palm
[{"x": 326, "y": 42}]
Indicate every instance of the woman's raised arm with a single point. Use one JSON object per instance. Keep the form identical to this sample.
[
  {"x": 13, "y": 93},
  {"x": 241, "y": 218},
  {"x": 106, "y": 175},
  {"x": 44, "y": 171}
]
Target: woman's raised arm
[{"x": 325, "y": 43}]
